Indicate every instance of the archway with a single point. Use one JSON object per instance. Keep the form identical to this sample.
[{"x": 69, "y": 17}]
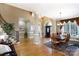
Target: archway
[{"x": 46, "y": 26}]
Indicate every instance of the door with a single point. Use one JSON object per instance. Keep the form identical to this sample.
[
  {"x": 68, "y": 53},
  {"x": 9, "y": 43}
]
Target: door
[{"x": 47, "y": 31}]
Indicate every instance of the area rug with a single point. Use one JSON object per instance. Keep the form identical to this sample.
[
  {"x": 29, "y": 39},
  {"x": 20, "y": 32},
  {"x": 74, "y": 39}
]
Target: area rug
[{"x": 68, "y": 49}]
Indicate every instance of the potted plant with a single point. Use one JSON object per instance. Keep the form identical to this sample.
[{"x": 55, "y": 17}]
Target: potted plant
[{"x": 8, "y": 28}]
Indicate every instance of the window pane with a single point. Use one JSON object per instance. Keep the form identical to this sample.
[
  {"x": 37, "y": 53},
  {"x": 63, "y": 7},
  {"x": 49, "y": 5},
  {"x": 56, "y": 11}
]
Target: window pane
[
  {"x": 66, "y": 27},
  {"x": 73, "y": 29}
]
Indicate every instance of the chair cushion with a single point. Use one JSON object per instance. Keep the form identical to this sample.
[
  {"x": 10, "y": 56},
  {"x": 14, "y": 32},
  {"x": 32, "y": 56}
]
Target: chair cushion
[{"x": 4, "y": 48}]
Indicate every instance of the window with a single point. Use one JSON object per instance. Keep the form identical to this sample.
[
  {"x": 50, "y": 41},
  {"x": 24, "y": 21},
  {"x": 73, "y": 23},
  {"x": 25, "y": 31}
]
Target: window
[
  {"x": 66, "y": 27},
  {"x": 71, "y": 27},
  {"x": 74, "y": 29}
]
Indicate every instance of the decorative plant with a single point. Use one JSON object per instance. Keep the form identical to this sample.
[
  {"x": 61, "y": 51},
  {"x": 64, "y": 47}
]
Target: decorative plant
[{"x": 8, "y": 28}]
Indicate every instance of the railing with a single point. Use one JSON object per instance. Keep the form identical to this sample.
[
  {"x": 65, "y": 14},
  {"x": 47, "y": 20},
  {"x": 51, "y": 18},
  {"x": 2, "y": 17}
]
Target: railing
[{"x": 2, "y": 21}]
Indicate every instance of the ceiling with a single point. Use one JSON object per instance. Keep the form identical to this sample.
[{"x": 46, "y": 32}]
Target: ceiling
[{"x": 55, "y": 11}]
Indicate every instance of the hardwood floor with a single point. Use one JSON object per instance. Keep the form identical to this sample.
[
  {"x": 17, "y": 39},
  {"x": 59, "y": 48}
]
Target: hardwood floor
[{"x": 26, "y": 47}]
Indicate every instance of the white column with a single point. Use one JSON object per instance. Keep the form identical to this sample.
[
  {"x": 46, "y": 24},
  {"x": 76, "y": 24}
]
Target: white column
[{"x": 37, "y": 28}]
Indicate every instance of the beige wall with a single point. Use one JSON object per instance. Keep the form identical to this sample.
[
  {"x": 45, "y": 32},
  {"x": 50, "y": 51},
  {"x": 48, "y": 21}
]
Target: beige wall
[{"x": 12, "y": 14}]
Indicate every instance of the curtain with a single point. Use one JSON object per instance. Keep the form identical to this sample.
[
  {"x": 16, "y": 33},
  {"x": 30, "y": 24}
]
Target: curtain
[{"x": 71, "y": 20}]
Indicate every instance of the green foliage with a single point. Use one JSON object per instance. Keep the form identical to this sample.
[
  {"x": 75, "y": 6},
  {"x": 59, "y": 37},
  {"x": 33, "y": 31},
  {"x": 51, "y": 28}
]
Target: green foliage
[{"x": 8, "y": 28}]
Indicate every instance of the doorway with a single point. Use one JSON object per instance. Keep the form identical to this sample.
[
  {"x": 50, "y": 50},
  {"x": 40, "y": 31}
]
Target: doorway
[{"x": 47, "y": 31}]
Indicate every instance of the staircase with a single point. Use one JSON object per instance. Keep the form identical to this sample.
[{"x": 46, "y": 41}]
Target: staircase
[
  {"x": 2, "y": 22},
  {"x": 8, "y": 40}
]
